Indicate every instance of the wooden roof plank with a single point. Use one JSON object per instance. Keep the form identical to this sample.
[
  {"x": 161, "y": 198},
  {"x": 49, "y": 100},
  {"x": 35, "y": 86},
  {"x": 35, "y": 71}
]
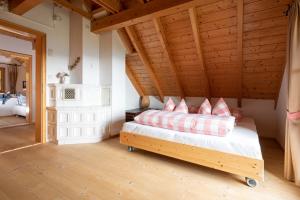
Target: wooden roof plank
[
  {"x": 21, "y": 7},
  {"x": 196, "y": 34},
  {"x": 144, "y": 58},
  {"x": 144, "y": 12},
  {"x": 134, "y": 81},
  {"x": 163, "y": 39},
  {"x": 240, "y": 23}
]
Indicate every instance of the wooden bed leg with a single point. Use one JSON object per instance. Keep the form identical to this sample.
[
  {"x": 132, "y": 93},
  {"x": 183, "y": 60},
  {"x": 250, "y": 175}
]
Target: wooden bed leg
[{"x": 251, "y": 182}]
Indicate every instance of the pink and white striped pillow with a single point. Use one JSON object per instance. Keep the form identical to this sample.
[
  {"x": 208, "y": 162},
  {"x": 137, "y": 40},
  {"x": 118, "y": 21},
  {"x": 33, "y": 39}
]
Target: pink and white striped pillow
[
  {"x": 182, "y": 107},
  {"x": 205, "y": 108},
  {"x": 169, "y": 106},
  {"x": 221, "y": 109}
]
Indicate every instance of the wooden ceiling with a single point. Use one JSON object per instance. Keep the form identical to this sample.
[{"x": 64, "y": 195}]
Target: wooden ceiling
[{"x": 212, "y": 48}]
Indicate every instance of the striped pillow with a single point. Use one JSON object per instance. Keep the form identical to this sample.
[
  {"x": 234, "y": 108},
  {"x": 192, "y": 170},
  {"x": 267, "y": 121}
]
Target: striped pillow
[
  {"x": 221, "y": 109},
  {"x": 182, "y": 107},
  {"x": 169, "y": 106},
  {"x": 205, "y": 108}
]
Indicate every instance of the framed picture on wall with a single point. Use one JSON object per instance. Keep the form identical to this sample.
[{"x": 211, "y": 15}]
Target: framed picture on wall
[{"x": 24, "y": 84}]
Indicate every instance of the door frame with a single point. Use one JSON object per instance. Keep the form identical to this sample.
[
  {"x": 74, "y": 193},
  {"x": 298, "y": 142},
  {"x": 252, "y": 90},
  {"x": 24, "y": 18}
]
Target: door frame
[{"x": 39, "y": 44}]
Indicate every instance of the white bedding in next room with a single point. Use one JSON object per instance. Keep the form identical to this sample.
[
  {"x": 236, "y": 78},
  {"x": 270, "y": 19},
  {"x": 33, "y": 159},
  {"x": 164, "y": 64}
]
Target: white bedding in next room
[{"x": 242, "y": 141}]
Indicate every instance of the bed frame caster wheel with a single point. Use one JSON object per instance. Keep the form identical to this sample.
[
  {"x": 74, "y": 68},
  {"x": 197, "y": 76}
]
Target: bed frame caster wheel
[
  {"x": 251, "y": 182},
  {"x": 130, "y": 149}
]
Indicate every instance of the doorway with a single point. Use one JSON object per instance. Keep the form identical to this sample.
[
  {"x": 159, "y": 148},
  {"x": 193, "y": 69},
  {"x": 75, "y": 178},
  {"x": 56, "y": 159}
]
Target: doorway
[
  {"x": 38, "y": 41},
  {"x": 16, "y": 89}
]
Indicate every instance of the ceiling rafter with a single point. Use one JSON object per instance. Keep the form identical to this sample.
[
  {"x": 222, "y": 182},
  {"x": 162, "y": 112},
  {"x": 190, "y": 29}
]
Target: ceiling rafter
[
  {"x": 113, "y": 6},
  {"x": 134, "y": 81},
  {"x": 163, "y": 40},
  {"x": 145, "y": 60},
  {"x": 126, "y": 41},
  {"x": 144, "y": 12},
  {"x": 20, "y": 7},
  {"x": 197, "y": 38},
  {"x": 240, "y": 23},
  {"x": 74, "y": 8}
]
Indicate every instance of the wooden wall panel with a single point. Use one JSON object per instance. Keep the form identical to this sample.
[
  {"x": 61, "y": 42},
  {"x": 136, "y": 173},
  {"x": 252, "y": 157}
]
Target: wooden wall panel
[{"x": 265, "y": 31}]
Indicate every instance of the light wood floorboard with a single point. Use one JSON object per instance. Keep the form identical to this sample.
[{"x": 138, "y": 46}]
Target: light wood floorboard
[
  {"x": 16, "y": 137},
  {"x": 107, "y": 171},
  {"x": 8, "y": 121}
]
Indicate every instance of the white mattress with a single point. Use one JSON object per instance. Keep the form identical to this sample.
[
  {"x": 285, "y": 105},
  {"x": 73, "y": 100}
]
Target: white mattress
[{"x": 242, "y": 141}]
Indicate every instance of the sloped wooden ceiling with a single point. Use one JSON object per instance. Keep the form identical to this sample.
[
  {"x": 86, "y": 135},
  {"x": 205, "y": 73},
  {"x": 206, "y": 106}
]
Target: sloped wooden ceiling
[{"x": 225, "y": 48}]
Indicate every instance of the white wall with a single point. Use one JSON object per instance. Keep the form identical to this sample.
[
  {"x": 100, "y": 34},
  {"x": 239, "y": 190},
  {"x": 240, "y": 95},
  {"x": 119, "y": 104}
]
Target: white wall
[
  {"x": 76, "y": 47},
  {"x": 261, "y": 110},
  {"x": 281, "y": 109},
  {"x": 90, "y": 55},
  {"x": 112, "y": 73}
]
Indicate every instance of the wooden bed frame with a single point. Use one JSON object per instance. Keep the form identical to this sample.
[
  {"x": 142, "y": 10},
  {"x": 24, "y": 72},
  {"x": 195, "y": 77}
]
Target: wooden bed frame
[{"x": 252, "y": 169}]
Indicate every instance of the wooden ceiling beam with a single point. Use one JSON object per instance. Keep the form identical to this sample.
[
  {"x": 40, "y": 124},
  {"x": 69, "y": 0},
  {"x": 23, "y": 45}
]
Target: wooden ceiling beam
[
  {"x": 113, "y": 6},
  {"x": 20, "y": 7},
  {"x": 126, "y": 41},
  {"x": 145, "y": 60},
  {"x": 240, "y": 23},
  {"x": 74, "y": 8},
  {"x": 134, "y": 81},
  {"x": 164, "y": 42},
  {"x": 144, "y": 12},
  {"x": 197, "y": 38}
]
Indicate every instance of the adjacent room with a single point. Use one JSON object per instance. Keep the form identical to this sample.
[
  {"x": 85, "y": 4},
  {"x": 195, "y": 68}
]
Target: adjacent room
[{"x": 149, "y": 99}]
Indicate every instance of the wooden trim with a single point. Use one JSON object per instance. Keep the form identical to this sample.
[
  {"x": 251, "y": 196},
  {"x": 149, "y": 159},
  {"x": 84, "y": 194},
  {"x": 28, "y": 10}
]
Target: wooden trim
[
  {"x": 197, "y": 38},
  {"x": 164, "y": 42},
  {"x": 240, "y": 23},
  {"x": 21, "y": 7},
  {"x": 73, "y": 8},
  {"x": 144, "y": 12},
  {"x": 29, "y": 89},
  {"x": 134, "y": 81},
  {"x": 40, "y": 88},
  {"x": 126, "y": 41},
  {"x": 40, "y": 47},
  {"x": 2, "y": 70},
  {"x": 143, "y": 55},
  {"x": 16, "y": 35},
  {"x": 112, "y": 6},
  {"x": 235, "y": 164}
]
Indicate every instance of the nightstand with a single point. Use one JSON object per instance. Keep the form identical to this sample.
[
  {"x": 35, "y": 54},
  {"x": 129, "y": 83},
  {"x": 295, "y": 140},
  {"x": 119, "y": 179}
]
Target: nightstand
[{"x": 130, "y": 114}]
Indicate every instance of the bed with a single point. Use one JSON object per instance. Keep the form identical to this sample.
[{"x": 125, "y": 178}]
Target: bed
[
  {"x": 11, "y": 107},
  {"x": 238, "y": 153}
]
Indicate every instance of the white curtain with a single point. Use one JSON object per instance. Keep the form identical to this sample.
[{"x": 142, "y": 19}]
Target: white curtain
[{"x": 292, "y": 142}]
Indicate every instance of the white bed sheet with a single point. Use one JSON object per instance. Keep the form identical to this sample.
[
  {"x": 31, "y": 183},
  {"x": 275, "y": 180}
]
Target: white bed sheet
[
  {"x": 7, "y": 109},
  {"x": 242, "y": 141}
]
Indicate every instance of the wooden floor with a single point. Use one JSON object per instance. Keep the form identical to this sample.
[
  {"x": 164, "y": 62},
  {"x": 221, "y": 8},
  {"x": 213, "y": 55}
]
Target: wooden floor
[
  {"x": 16, "y": 137},
  {"x": 8, "y": 121},
  {"x": 107, "y": 171}
]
